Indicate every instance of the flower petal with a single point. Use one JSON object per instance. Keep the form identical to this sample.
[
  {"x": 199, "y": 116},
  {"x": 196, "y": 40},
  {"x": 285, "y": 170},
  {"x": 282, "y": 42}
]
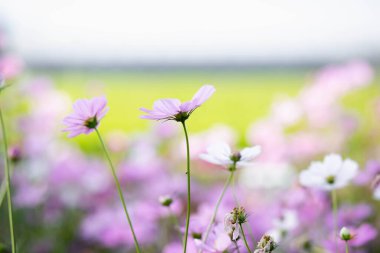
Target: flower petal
[{"x": 203, "y": 94}]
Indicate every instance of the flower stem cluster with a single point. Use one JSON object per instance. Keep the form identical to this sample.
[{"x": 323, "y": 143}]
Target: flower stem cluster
[
  {"x": 233, "y": 222},
  {"x": 239, "y": 214},
  {"x": 266, "y": 245}
]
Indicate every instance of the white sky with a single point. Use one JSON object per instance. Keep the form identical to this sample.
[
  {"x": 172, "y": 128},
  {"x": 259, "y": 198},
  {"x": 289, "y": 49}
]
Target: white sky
[{"x": 197, "y": 31}]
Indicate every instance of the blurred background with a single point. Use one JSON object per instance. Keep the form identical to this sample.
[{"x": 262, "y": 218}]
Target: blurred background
[
  {"x": 170, "y": 47},
  {"x": 299, "y": 78}
]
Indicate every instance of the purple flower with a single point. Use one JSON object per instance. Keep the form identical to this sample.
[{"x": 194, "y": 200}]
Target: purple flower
[
  {"x": 372, "y": 169},
  {"x": 363, "y": 234},
  {"x": 219, "y": 241},
  {"x": 360, "y": 237},
  {"x": 173, "y": 109},
  {"x": 86, "y": 116}
]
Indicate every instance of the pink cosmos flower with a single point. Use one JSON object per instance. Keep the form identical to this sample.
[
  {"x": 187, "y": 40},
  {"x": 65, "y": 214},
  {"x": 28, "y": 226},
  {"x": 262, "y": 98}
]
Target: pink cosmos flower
[
  {"x": 173, "y": 109},
  {"x": 86, "y": 116},
  {"x": 10, "y": 66}
]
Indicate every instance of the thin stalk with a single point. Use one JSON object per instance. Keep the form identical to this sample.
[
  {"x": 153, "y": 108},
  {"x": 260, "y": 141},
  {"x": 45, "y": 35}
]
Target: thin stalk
[
  {"x": 228, "y": 182},
  {"x": 335, "y": 215},
  {"x": 3, "y": 190},
  {"x": 188, "y": 187},
  {"x": 244, "y": 238},
  {"x": 234, "y": 191},
  {"x": 8, "y": 178},
  {"x": 119, "y": 190},
  {"x": 3, "y": 187},
  {"x": 237, "y": 201},
  {"x": 347, "y": 247}
]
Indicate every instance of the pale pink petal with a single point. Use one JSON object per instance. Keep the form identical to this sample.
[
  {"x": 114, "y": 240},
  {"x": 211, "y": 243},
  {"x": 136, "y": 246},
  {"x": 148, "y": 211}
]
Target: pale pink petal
[
  {"x": 187, "y": 106},
  {"x": 203, "y": 94},
  {"x": 167, "y": 106}
]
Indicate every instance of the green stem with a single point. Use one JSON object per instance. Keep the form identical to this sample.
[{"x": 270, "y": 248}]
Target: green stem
[
  {"x": 335, "y": 215},
  {"x": 3, "y": 187},
  {"x": 188, "y": 187},
  {"x": 8, "y": 178},
  {"x": 347, "y": 247},
  {"x": 237, "y": 201},
  {"x": 119, "y": 191},
  {"x": 244, "y": 238},
  {"x": 3, "y": 190},
  {"x": 234, "y": 191},
  {"x": 228, "y": 182}
]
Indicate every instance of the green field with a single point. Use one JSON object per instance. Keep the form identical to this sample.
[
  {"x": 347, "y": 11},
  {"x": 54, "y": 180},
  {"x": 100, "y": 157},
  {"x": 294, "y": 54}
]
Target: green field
[{"x": 242, "y": 97}]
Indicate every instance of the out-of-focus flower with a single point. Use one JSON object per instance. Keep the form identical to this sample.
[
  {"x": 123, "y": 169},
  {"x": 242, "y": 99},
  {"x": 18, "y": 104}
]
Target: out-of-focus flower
[
  {"x": 221, "y": 154},
  {"x": 332, "y": 173},
  {"x": 266, "y": 245},
  {"x": 358, "y": 237},
  {"x": 15, "y": 153},
  {"x": 10, "y": 66},
  {"x": 286, "y": 112},
  {"x": 283, "y": 225},
  {"x": 106, "y": 225},
  {"x": 353, "y": 214},
  {"x": 173, "y": 109},
  {"x": 372, "y": 168},
  {"x": 176, "y": 247},
  {"x": 218, "y": 241},
  {"x": 86, "y": 116},
  {"x": 345, "y": 234},
  {"x": 363, "y": 234},
  {"x": 271, "y": 137},
  {"x": 117, "y": 141},
  {"x": 269, "y": 176}
]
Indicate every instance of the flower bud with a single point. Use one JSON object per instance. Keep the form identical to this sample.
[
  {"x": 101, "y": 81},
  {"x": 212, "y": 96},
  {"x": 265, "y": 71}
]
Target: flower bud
[
  {"x": 240, "y": 215},
  {"x": 165, "y": 200},
  {"x": 345, "y": 234},
  {"x": 14, "y": 154}
]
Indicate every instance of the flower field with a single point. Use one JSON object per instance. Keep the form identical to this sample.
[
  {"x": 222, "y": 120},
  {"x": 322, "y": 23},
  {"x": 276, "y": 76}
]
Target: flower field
[{"x": 252, "y": 162}]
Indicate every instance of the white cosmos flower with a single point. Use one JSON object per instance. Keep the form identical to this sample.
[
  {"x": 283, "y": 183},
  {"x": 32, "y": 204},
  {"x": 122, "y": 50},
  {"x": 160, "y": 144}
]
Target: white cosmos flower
[
  {"x": 221, "y": 154},
  {"x": 332, "y": 173},
  {"x": 287, "y": 222}
]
